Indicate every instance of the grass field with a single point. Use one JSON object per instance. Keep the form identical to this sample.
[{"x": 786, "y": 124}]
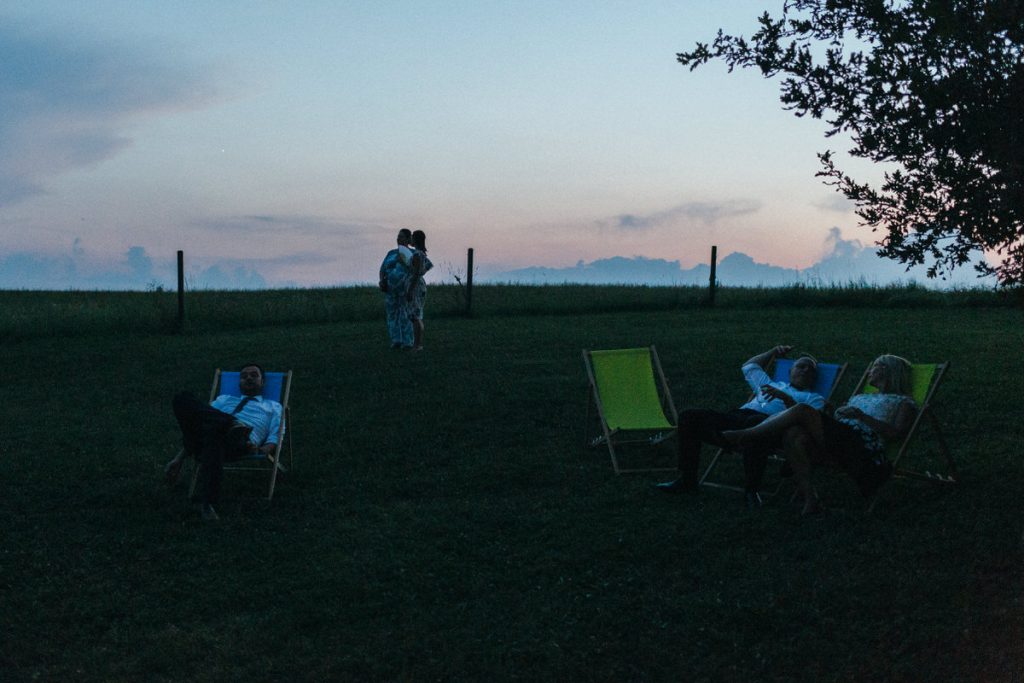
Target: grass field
[{"x": 443, "y": 521}]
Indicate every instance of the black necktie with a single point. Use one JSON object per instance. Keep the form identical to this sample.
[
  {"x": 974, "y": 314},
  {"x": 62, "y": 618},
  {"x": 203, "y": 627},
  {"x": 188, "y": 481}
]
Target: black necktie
[{"x": 241, "y": 404}]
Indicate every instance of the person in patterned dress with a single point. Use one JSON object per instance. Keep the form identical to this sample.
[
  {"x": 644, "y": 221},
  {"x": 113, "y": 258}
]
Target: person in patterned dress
[
  {"x": 417, "y": 291},
  {"x": 394, "y": 281}
]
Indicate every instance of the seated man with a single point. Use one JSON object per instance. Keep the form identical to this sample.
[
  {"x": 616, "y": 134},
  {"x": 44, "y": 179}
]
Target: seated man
[
  {"x": 230, "y": 428},
  {"x": 705, "y": 426}
]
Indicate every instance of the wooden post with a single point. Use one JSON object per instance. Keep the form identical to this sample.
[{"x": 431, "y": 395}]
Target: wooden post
[
  {"x": 469, "y": 282},
  {"x": 181, "y": 291},
  {"x": 711, "y": 284}
]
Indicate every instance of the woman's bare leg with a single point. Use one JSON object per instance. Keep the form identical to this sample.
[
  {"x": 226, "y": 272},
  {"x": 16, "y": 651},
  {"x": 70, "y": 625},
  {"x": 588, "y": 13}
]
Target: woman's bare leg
[
  {"x": 801, "y": 415},
  {"x": 799, "y": 447},
  {"x": 417, "y": 333}
]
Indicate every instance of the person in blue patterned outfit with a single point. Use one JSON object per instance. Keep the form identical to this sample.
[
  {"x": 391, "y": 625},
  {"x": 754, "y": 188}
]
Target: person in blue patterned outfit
[
  {"x": 417, "y": 291},
  {"x": 853, "y": 438},
  {"x": 394, "y": 282}
]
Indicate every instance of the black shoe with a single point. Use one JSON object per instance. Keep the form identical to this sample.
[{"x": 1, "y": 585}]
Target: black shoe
[
  {"x": 208, "y": 513},
  {"x": 677, "y": 486},
  {"x": 754, "y": 501},
  {"x": 873, "y": 476}
]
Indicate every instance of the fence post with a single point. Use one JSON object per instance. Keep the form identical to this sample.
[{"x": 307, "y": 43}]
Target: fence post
[
  {"x": 469, "y": 282},
  {"x": 181, "y": 291},
  {"x": 711, "y": 284}
]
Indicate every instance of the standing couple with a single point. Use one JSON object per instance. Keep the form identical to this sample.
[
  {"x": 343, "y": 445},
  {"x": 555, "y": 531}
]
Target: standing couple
[{"x": 401, "y": 280}]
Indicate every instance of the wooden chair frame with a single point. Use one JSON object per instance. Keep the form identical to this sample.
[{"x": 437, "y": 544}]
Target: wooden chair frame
[
  {"x": 780, "y": 373},
  {"x": 624, "y": 435},
  {"x": 272, "y": 462}
]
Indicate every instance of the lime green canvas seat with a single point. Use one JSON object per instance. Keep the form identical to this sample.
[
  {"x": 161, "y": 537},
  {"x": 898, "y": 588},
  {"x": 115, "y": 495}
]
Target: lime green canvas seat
[
  {"x": 925, "y": 379},
  {"x": 632, "y": 401}
]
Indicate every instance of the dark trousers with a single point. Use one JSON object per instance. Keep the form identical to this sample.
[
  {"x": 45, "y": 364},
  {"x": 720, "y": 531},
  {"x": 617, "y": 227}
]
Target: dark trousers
[
  {"x": 203, "y": 432},
  {"x": 705, "y": 426}
]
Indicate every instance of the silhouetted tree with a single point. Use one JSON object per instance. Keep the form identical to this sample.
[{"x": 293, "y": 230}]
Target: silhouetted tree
[{"x": 933, "y": 87}]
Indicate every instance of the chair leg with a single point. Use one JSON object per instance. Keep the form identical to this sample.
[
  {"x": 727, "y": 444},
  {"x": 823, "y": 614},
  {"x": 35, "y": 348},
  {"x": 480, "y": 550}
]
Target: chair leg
[
  {"x": 711, "y": 465},
  {"x": 195, "y": 478},
  {"x": 615, "y": 461},
  {"x": 273, "y": 481},
  {"x": 953, "y": 474}
]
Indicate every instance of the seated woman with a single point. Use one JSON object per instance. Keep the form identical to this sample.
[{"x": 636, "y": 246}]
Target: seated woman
[{"x": 853, "y": 438}]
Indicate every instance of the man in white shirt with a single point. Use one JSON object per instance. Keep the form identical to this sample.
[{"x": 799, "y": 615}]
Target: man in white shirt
[
  {"x": 699, "y": 426},
  {"x": 230, "y": 428}
]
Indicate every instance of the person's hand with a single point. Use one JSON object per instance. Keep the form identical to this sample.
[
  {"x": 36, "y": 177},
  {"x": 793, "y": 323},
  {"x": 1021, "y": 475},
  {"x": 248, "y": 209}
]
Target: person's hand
[
  {"x": 782, "y": 349},
  {"x": 770, "y": 392},
  {"x": 849, "y": 412}
]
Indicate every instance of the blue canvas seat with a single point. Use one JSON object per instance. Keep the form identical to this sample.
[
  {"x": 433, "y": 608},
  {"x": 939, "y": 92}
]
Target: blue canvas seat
[{"x": 276, "y": 387}]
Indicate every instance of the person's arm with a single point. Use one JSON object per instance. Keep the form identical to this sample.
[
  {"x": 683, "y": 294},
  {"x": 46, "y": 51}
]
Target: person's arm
[
  {"x": 755, "y": 371},
  {"x": 263, "y": 449},
  {"x": 904, "y": 419},
  {"x": 415, "y": 275},
  {"x": 768, "y": 391},
  {"x": 268, "y": 446},
  {"x": 763, "y": 359}
]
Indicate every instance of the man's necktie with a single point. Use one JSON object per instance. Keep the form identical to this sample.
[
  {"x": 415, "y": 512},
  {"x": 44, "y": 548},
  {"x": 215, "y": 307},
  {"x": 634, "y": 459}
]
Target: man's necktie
[{"x": 241, "y": 404}]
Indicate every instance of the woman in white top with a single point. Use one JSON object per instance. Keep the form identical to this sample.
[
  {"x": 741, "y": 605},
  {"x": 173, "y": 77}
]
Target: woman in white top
[
  {"x": 417, "y": 288},
  {"x": 853, "y": 438}
]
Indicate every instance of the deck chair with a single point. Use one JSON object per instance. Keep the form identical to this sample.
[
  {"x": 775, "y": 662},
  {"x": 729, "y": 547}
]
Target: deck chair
[
  {"x": 632, "y": 400},
  {"x": 925, "y": 379},
  {"x": 829, "y": 375},
  {"x": 277, "y": 387}
]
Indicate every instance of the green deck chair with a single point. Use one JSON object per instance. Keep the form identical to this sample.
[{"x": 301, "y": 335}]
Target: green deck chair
[
  {"x": 925, "y": 379},
  {"x": 277, "y": 386},
  {"x": 632, "y": 399},
  {"x": 828, "y": 378}
]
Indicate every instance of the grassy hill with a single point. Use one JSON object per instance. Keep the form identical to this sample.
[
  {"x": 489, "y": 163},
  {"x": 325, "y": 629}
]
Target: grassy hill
[{"x": 443, "y": 521}]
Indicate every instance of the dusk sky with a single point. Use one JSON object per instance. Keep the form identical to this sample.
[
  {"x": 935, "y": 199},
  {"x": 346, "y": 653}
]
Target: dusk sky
[{"x": 285, "y": 143}]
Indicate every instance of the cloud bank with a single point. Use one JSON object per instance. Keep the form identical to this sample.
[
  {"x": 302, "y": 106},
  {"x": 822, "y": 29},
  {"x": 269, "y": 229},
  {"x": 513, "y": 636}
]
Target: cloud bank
[
  {"x": 68, "y": 103},
  {"x": 134, "y": 270},
  {"x": 708, "y": 213},
  {"x": 844, "y": 262}
]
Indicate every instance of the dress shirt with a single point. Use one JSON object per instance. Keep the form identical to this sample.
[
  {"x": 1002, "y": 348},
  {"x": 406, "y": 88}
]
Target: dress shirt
[
  {"x": 262, "y": 414},
  {"x": 756, "y": 377}
]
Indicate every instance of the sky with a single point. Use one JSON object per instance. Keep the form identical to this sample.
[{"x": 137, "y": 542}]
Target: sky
[{"x": 283, "y": 144}]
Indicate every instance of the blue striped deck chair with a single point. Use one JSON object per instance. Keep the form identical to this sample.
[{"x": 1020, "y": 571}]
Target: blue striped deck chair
[
  {"x": 633, "y": 404},
  {"x": 828, "y": 378},
  {"x": 276, "y": 387}
]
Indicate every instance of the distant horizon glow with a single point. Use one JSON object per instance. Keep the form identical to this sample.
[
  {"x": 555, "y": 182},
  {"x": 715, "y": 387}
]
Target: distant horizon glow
[{"x": 285, "y": 145}]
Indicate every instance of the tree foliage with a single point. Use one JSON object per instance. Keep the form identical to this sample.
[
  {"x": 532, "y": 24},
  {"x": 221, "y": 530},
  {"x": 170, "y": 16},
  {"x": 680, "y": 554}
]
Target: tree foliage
[{"x": 934, "y": 89}]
